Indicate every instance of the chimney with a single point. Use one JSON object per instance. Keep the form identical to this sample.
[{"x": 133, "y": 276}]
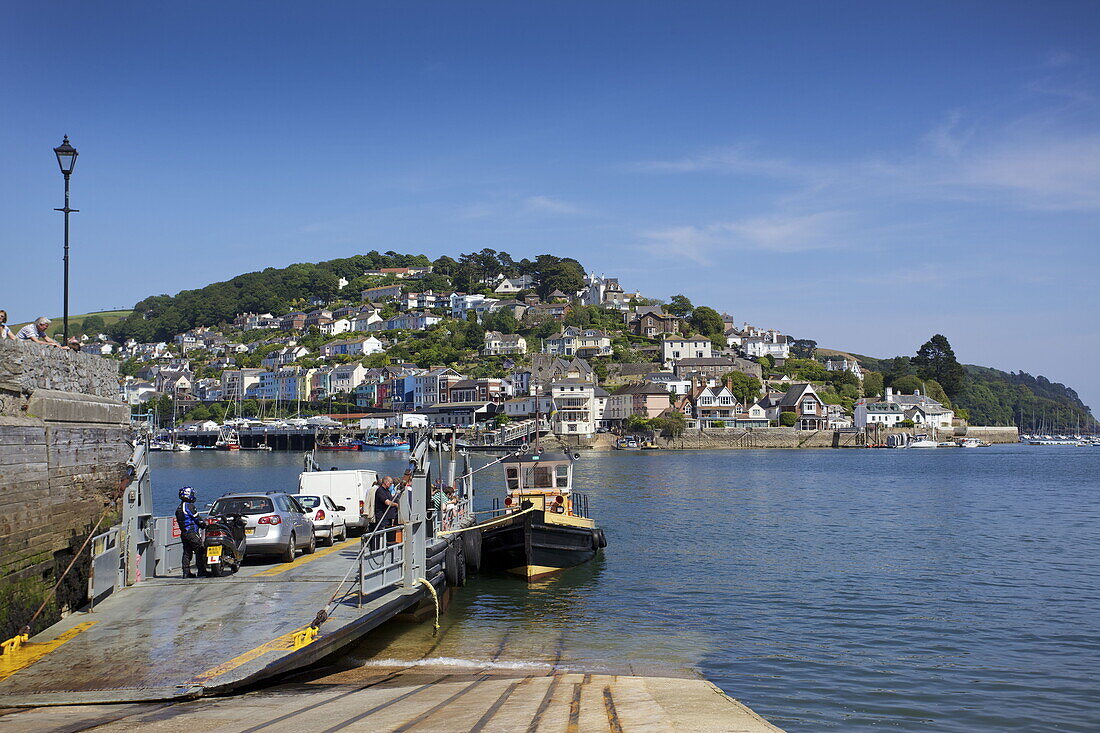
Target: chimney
[{"x": 889, "y": 394}]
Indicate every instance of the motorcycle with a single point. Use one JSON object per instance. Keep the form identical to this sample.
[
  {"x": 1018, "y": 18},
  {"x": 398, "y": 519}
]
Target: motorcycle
[{"x": 224, "y": 543}]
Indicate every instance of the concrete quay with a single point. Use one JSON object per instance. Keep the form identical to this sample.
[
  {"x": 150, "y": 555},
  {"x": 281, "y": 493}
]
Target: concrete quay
[{"x": 437, "y": 699}]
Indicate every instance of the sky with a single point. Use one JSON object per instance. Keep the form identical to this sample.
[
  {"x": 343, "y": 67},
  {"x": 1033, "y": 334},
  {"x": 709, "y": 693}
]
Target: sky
[{"x": 864, "y": 174}]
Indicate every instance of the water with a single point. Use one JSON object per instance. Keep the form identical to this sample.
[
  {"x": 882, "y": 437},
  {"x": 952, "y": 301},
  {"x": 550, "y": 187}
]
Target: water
[{"x": 951, "y": 590}]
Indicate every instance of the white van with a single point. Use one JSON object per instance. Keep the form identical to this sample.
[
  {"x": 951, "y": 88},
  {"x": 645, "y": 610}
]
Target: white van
[{"x": 352, "y": 490}]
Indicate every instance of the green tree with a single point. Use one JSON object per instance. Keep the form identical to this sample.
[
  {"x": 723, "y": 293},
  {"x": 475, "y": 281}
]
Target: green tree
[
  {"x": 93, "y": 325},
  {"x": 872, "y": 384},
  {"x": 906, "y": 385},
  {"x": 745, "y": 387},
  {"x": 933, "y": 389},
  {"x": 671, "y": 424},
  {"x": 636, "y": 424},
  {"x": 679, "y": 306},
  {"x": 708, "y": 322},
  {"x": 936, "y": 360},
  {"x": 804, "y": 348},
  {"x": 788, "y": 419},
  {"x": 767, "y": 363}
]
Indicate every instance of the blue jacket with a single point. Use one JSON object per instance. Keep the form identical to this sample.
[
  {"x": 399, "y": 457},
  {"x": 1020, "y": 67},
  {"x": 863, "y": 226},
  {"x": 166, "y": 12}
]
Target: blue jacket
[{"x": 187, "y": 518}]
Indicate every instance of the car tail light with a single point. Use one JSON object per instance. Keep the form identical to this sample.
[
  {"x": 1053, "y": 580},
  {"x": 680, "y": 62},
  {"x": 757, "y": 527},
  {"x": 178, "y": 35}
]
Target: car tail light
[
  {"x": 272, "y": 519},
  {"x": 215, "y": 533},
  {"x": 361, "y": 506},
  {"x": 211, "y": 520},
  {"x": 320, "y": 514}
]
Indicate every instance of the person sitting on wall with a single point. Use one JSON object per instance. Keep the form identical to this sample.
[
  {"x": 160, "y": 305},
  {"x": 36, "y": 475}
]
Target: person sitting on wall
[
  {"x": 36, "y": 332},
  {"x": 5, "y": 332}
]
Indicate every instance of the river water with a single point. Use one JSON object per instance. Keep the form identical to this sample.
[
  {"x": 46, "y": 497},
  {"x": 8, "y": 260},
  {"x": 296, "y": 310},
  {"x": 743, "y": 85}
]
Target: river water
[{"x": 948, "y": 589}]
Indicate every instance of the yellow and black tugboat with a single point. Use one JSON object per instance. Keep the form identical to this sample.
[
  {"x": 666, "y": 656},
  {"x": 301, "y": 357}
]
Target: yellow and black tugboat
[{"x": 545, "y": 526}]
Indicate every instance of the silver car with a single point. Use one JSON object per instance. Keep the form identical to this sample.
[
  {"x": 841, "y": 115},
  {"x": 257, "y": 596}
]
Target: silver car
[{"x": 276, "y": 524}]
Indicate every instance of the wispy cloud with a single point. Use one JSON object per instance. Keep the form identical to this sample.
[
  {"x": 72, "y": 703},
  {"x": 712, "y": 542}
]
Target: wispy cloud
[
  {"x": 778, "y": 233},
  {"x": 511, "y": 206},
  {"x": 1045, "y": 157}
]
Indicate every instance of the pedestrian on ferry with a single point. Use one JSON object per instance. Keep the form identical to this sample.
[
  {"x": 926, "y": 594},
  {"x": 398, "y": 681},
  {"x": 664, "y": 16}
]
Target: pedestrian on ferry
[
  {"x": 191, "y": 525},
  {"x": 385, "y": 511}
]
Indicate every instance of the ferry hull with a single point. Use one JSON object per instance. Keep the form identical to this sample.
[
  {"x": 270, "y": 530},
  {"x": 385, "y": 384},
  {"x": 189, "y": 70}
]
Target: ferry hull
[{"x": 531, "y": 548}]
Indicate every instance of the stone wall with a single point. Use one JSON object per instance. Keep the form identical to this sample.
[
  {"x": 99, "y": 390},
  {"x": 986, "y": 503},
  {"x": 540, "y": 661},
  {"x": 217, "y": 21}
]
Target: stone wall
[
  {"x": 64, "y": 453},
  {"x": 794, "y": 438}
]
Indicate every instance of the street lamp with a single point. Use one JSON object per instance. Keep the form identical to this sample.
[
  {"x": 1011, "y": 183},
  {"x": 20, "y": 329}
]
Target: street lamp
[{"x": 66, "y": 159}]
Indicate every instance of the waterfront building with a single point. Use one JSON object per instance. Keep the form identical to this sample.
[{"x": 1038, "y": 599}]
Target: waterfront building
[{"x": 572, "y": 407}]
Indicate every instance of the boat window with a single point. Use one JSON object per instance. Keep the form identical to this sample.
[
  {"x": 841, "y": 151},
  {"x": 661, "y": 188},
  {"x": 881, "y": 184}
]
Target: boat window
[
  {"x": 542, "y": 477},
  {"x": 563, "y": 477},
  {"x": 243, "y": 505},
  {"x": 512, "y": 477}
]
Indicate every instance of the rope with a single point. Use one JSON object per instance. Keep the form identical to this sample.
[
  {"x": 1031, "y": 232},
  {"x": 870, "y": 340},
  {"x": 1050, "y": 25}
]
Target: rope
[
  {"x": 490, "y": 523},
  {"x": 435, "y": 597}
]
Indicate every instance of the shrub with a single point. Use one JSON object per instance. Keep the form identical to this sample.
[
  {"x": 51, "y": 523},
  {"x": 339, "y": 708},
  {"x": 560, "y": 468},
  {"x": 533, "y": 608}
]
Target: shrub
[
  {"x": 788, "y": 419},
  {"x": 906, "y": 424}
]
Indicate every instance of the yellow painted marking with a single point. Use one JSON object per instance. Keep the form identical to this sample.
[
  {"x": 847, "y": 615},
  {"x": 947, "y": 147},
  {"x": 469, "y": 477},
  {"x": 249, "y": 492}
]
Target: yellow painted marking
[
  {"x": 30, "y": 652},
  {"x": 533, "y": 571},
  {"x": 282, "y": 568},
  {"x": 286, "y": 642}
]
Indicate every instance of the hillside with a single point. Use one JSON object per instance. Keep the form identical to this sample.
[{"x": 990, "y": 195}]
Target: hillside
[
  {"x": 97, "y": 321},
  {"x": 990, "y": 396},
  {"x": 995, "y": 397}
]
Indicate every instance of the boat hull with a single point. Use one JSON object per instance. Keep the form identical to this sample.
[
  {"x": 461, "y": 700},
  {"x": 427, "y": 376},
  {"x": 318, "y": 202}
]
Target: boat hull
[{"x": 531, "y": 548}]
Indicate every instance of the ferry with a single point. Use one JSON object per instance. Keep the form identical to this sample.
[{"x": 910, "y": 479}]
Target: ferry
[{"x": 545, "y": 526}]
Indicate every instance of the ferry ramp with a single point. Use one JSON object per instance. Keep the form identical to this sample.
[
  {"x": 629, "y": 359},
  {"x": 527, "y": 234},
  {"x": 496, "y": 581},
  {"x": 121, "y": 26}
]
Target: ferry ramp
[
  {"x": 439, "y": 700},
  {"x": 173, "y": 638}
]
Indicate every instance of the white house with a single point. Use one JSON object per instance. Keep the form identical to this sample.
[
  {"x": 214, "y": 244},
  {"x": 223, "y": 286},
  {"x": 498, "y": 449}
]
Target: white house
[
  {"x": 757, "y": 342},
  {"x": 352, "y": 347},
  {"x": 844, "y": 365},
  {"x": 573, "y": 408},
  {"x": 340, "y": 325},
  {"x": 461, "y": 304},
  {"x": 674, "y": 384},
  {"x": 346, "y": 377},
  {"x": 497, "y": 343},
  {"x": 583, "y": 342},
  {"x": 510, "y": 285},
  {"x": 674, "y": 348},
  {"x": 364, "y": 319}
]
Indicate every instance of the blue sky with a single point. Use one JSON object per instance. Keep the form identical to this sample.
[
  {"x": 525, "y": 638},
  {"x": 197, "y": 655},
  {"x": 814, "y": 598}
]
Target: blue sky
[{"x": 864, "y": 174}]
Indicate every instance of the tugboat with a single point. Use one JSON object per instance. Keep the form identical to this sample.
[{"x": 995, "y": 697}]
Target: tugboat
[{"x": 545, "y": 527}]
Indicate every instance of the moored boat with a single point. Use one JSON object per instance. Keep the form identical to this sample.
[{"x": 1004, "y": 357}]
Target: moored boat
[
  {"x": 228, "y": 439},
  {"x": 388, "y": 442},
  {"x": 545, "y": 527}
]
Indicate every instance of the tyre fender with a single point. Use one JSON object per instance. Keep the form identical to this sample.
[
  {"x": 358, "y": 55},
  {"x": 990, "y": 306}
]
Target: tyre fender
[{"x": 471, "y": 546}]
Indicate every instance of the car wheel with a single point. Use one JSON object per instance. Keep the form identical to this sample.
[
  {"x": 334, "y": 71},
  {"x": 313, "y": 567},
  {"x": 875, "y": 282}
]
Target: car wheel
[
  {"x": 312, "y": 546},
  {"x": 288, "y": 553}
]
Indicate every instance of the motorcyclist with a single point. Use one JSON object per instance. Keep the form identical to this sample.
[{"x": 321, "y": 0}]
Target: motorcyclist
[{"x": 191, "y": 525}]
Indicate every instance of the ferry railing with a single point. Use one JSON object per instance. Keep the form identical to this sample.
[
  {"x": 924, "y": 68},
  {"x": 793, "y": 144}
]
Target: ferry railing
[{"x": 107, "y": 572}]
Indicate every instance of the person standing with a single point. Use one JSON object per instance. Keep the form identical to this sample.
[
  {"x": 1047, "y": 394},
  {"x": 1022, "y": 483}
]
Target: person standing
[
  {"x": 190, "y": 524},
  {"x": 385, "y": 511}
]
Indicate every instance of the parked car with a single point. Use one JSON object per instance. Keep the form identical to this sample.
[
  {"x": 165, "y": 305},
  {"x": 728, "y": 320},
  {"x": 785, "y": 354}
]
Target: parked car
[
  {"x": 325, "y": 514},
  {"x": 275, "y": 523}
]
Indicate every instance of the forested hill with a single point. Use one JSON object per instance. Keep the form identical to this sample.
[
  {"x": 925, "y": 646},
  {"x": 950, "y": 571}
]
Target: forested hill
[
  {"x": 278, "y": 290},
  {"x": 994, "y": 397}
]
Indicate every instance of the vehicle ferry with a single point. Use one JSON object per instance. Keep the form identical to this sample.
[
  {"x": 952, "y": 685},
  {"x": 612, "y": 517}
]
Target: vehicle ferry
[{"x": 545, "y": 526}]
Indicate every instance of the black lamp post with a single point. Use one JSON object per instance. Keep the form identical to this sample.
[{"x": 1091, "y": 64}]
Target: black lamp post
[{"x": 66, "y": 158}]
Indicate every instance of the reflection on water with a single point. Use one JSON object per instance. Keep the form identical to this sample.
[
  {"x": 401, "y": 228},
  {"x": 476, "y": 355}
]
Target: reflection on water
[{"x": 842, "y": 590}]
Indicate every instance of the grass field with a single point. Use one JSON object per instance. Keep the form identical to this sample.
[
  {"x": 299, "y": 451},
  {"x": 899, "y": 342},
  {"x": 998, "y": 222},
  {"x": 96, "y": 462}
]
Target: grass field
[{"x": 77, "y": 320}]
